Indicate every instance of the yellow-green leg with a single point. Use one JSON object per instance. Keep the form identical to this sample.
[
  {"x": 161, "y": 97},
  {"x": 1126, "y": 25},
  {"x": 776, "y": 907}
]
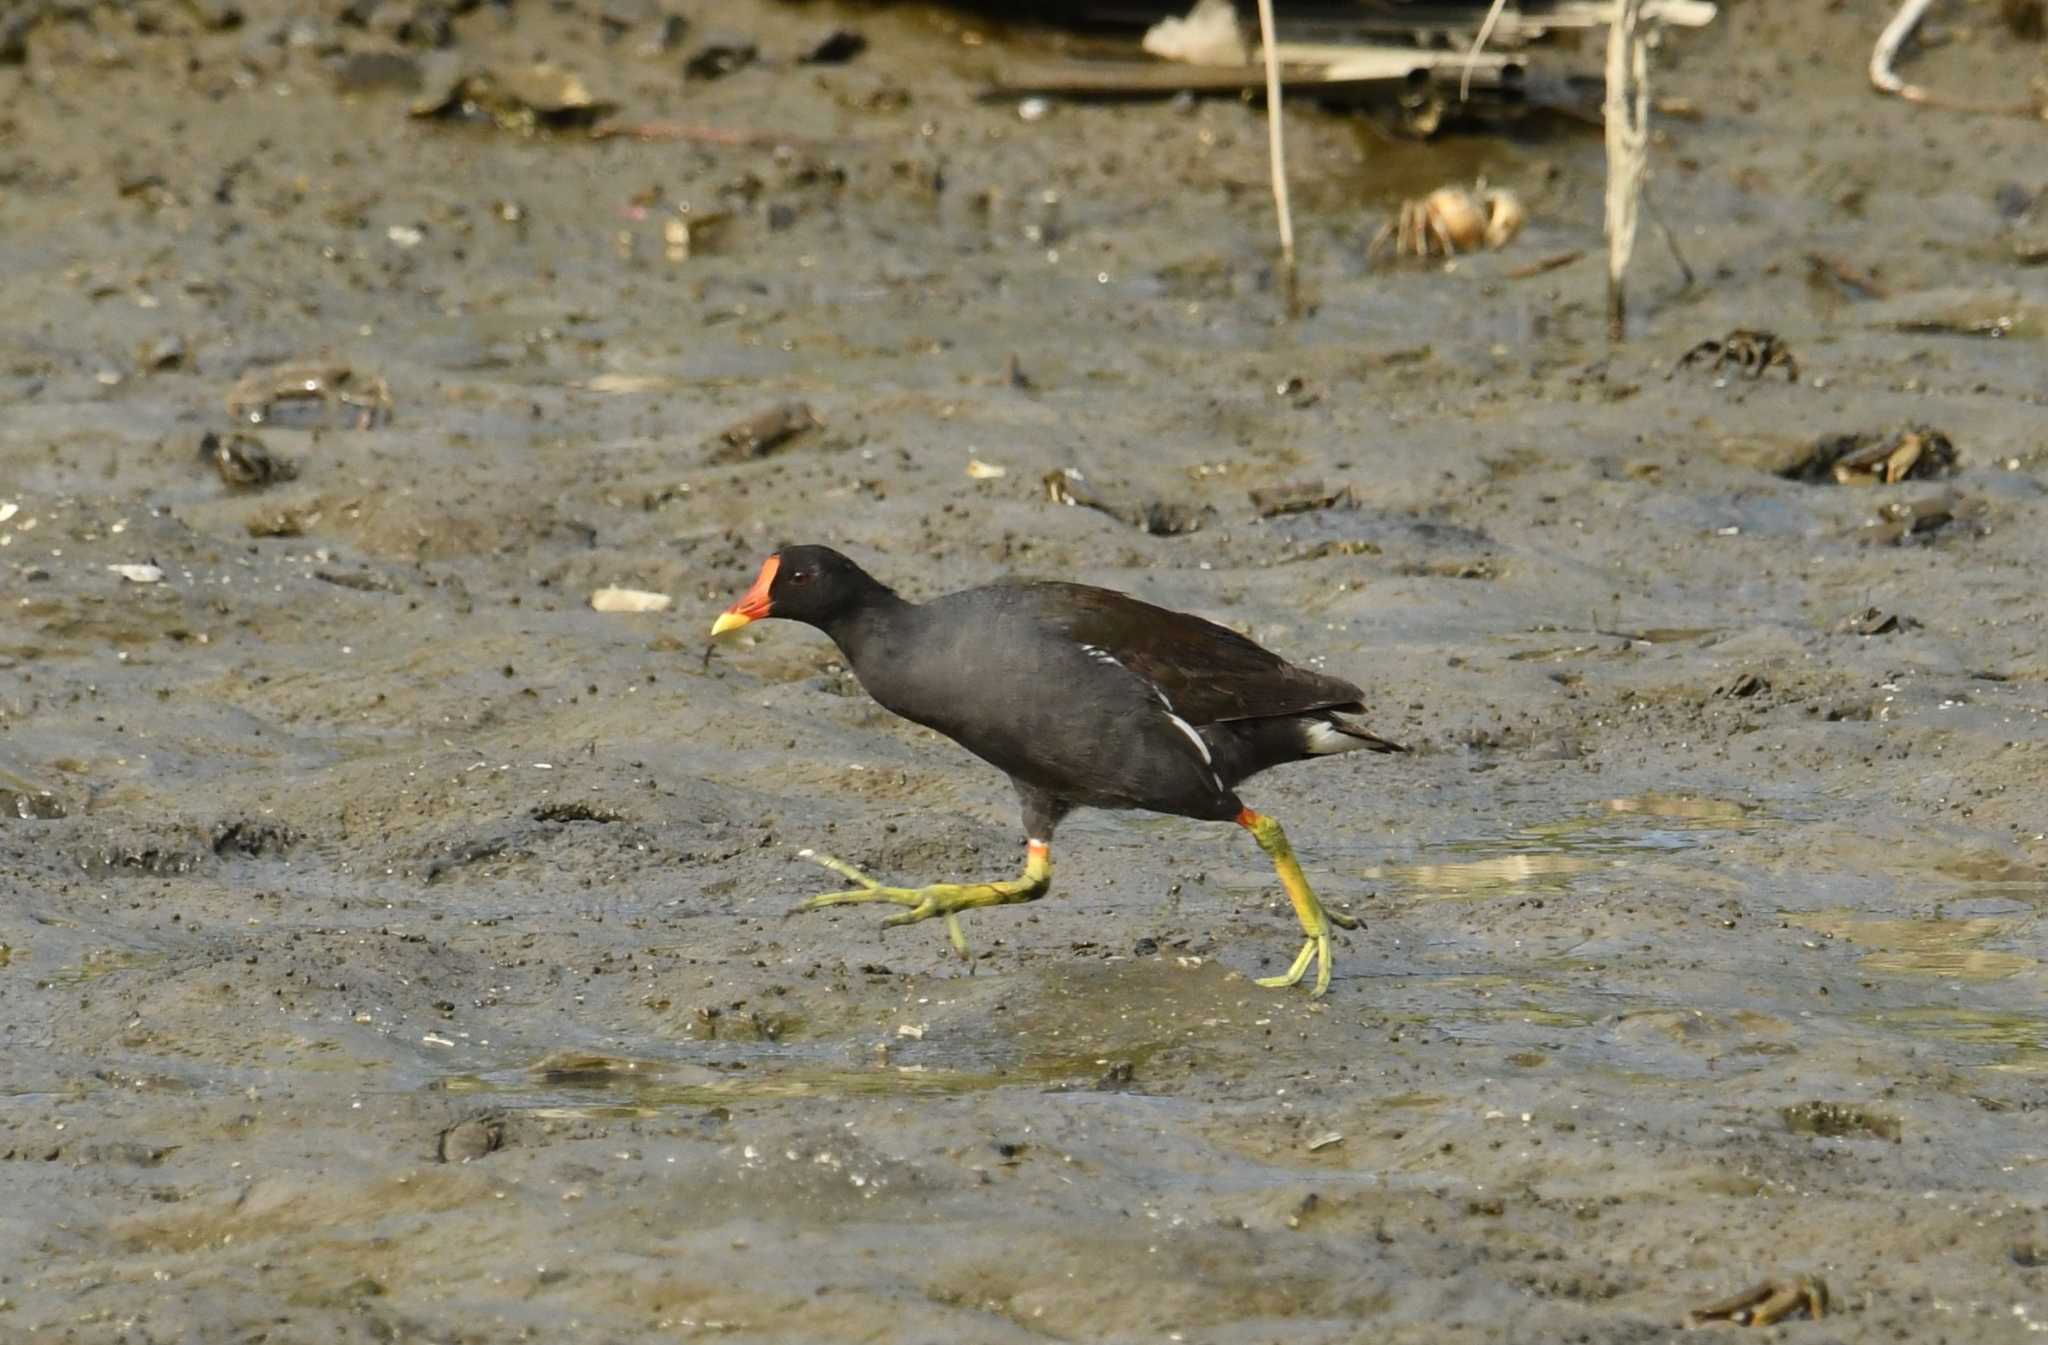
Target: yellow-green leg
[
  {"x": 1315, "y": 921},
  {"x": 947, "y": 899}
]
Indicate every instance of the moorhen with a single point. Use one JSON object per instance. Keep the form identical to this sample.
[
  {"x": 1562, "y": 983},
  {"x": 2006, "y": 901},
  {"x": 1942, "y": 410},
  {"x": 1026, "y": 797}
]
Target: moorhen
[{"x": 1085, "y": 698}]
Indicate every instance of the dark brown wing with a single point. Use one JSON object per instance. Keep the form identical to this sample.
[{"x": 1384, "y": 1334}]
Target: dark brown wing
[{"x": 1210, "y": 673}]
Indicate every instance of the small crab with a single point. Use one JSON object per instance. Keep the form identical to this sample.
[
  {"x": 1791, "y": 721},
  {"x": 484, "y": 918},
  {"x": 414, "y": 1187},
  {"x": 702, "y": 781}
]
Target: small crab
[
  {"x": 1752, "y": 353},
  {"x": 1451, "y": 220},
  {"x": 1766, "y": 1304},
  {"x": 310, "y": 394},
  {"x": 242, "y": 461}
]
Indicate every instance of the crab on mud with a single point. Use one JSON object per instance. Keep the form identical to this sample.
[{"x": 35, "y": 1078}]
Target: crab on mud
[{"x": 1451, "y": 220}]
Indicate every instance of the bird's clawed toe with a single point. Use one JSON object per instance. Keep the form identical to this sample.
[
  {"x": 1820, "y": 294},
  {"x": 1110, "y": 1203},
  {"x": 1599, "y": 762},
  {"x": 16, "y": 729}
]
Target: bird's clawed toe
[
  {"x": 934, "y": 899},
  {"x": 1315, "y": 949}
]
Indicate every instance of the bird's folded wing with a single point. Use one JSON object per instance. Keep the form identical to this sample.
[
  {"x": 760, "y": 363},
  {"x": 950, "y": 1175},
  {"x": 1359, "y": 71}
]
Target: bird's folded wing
[{"x": 1209, "y": 673}]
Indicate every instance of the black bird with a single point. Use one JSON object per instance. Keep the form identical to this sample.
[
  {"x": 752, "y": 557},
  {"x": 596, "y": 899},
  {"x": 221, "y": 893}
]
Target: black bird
[{"x": 1085, "y": 698}]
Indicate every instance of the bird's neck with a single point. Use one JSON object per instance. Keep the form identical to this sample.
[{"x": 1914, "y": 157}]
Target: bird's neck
[{"x": 871, "y": 626}]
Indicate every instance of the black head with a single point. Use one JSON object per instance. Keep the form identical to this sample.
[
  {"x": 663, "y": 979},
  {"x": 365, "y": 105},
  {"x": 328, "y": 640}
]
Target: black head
[{"x": 812, "y": 584}]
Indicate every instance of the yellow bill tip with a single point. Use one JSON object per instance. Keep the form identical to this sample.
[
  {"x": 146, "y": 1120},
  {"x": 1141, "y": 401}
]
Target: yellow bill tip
[{"x": 730, "y": 621}]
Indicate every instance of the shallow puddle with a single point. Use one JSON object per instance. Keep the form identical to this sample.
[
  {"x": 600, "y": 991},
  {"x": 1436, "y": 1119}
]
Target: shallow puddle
[
  {"x": 1946, "y": 948},
  {"x": 1688, "y": 809},
  {"x": 608, "y": 1086},
  {"x": 2026, "y": 1034},
  {"x": 1995, "y": 871},
  {"x": 98, "y": 962},
  {"x": 1547, "y": 857},
  {"x": 1538, "y": 871}
]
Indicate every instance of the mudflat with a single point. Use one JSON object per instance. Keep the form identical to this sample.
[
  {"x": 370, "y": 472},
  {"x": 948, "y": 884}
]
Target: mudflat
[{"x": 392, "y": 947}]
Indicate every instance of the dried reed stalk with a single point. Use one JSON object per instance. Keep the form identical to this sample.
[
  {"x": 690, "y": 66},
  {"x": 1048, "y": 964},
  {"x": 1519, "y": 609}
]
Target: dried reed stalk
[
  {"x": 1627, "y": 114},
  {"x": 1276, "y": 149}
]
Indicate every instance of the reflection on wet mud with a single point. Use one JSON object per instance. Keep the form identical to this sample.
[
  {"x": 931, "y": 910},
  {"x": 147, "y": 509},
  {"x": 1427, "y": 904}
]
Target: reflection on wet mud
[
  {"x": 1546, "y": 857},
  {"x": 1688, "y": 808},
  {"x": 2023, "y": 1036},
  {"x": 1947, "y": 948},
  {"x": 587, "y": 1085},
  {"x": 98, "y": 962}
]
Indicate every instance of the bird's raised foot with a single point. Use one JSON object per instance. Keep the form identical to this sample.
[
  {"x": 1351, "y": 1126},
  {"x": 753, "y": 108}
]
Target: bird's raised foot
[
  {"x": 933, "y": 899},
  {"x": 870, "y": 889}
]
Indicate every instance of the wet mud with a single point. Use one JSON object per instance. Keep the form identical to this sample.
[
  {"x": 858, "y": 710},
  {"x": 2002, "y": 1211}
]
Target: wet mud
[{"x": 393, "y": 947}]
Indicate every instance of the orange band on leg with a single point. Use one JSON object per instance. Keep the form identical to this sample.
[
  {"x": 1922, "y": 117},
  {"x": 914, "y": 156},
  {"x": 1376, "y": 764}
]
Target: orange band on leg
[{"x": 1038, "y": 862}]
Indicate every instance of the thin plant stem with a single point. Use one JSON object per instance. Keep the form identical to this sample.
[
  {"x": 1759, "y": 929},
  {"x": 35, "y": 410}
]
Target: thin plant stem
[
  {"x": 1275, "y": 141},
  {"x": 1627, "y": 114}
]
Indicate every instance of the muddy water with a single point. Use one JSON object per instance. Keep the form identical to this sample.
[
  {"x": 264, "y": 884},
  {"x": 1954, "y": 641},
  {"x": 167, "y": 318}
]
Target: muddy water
[{"x": 360, "y": 824}]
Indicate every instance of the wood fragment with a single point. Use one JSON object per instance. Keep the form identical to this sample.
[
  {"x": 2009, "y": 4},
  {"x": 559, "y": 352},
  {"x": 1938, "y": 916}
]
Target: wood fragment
[
  {"x": 695, "y": 133},
  {"x": 1593, "y": 13},
  {"x": 1847, "y": 275},
  {"x": 765, "y": 431},
  {"x": 1543, "y": 264},
  {"x": 1517, "y": 26},
  {"x": 1300, "y": 497},
  {"x": 1310, "y": 71}
]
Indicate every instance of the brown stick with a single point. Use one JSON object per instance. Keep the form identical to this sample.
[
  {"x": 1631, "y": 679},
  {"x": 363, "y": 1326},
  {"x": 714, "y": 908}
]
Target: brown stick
[
  {"x": 1543, "y": 264},
  {"x": 695, "y": 133},
  {"x": 1847, "y": 275}
]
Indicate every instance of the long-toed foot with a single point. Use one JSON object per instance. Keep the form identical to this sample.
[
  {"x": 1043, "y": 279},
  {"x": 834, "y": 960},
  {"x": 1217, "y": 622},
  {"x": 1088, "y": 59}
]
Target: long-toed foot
[
  {"x": 941, "y": 899},
  {"x": 1316, "y": 949},
  {"x": 1315, "y": 920}
]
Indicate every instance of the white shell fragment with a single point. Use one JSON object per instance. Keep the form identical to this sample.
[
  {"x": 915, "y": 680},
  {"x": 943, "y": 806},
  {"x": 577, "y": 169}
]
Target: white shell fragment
[
  {"x": 139, "y": 574},
  {"x": 630, "y": 600},
  {"x": 1325, "y": 1140},
  {"x": 1209, "y": 35},
  {"x": 985, "y": 471}
]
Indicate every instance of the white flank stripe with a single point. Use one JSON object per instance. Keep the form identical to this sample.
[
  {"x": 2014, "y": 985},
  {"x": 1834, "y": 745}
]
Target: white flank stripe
[
  {"x": 1201, "y": 744},
  {"x": 1101, "y": 655}
]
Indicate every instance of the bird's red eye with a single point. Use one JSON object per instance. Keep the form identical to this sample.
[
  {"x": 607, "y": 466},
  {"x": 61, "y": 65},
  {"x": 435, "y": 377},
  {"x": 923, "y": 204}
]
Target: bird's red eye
[{"x": 800, "y": 577}]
